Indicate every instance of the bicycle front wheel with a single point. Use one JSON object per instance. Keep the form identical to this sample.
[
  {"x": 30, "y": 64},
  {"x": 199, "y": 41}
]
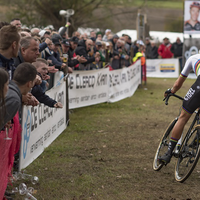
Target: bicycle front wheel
[
  {"x": 163, "y": 145},
  {"x": 188, "y": 156}
]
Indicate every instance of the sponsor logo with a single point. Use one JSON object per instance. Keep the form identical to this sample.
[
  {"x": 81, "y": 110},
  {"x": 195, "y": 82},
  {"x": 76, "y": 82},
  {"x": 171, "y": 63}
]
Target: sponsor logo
[
  {"x": 151, "y": 68},
  {"x": 27, "y": 132},
  {"x": 167, "y": 68}
]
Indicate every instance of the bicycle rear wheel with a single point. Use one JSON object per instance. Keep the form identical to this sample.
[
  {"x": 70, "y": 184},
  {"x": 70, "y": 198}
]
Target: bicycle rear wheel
[
  {"x": 163, "y": 145},
  {"x": 188, "y": 156}
]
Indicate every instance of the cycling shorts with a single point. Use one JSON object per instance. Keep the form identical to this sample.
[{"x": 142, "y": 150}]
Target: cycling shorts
[{"x": 192, "y": 99}]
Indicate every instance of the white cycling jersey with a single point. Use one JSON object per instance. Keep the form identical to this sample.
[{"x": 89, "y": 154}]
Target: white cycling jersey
[{"x": 192, "y": 64}]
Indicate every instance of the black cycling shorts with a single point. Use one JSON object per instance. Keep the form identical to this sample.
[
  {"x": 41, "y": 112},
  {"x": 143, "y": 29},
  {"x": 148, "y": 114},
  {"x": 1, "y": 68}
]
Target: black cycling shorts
[{"x": 192, "y": 99}]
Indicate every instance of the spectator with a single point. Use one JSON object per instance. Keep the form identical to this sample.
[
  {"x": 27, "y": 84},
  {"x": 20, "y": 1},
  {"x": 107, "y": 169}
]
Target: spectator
[
  {"x": 92, "y": 34},
  {"x": 110, "y": 36},
  {"x": 65, "y": 48},
  {"x": 9, "y": 47},
  {"x": 93, "y": 40},
  {"x": 136, "y": 46},
  {"x": 76, "y": 34},
  {"x": 83, "y": 49},
  {"x": 98, "y": 48},
  {"x": 164, "y": 49},
  {"x": 99, "y": 37},
  {"x": 141, "y": 55},
  {"x": 114, "y": 42},
  {"x": 115, "y": 53},
  {"x": 84, "y": 36},
  {"x": 35, "y": 31},
  {"x": 44, "y": 34},
  {"x": 25, "y": 34},
  {"x": 39, "y": 90},
  {"x": 148, "y": 48},
  {"x": 154, "y": 50},
  {"x": 28, "y": 52},
  {"x": 16, "y": 22},
  {"x": 23, "y": 80},
  {"x": 124, "y": 55},
  {"x": 73, "y": 59},
  {"x": 128, "y": 43},
  {"x": 177, "y": 49},
  {"x": 105, "y": 37},
  {"x": 4, "y": 153}
]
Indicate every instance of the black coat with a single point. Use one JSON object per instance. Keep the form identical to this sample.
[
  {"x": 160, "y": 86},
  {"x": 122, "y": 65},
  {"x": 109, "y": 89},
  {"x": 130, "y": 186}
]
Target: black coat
[
  {"x": 177, "y": 49},
  {"x": 82, "y": 51},
  {"x": 38, "y": 93},
  {"x": 154, "y": 52},
  {"x": 71, "y": 62}
]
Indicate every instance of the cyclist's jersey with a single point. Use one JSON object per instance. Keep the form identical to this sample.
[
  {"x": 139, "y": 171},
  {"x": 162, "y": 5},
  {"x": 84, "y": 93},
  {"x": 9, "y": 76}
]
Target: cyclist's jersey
[
  {"x": 189, "y": 27},
  {"x": 192, "y": 64}
]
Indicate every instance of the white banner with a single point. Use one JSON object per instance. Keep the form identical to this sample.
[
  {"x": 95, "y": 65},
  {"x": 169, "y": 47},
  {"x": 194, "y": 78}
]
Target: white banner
[
  {"x": 162, "y": 68},
  {"x": 41, "y": 126},
  {"x": 88, "y": 87},
  {"x": 124, "y": 82}
]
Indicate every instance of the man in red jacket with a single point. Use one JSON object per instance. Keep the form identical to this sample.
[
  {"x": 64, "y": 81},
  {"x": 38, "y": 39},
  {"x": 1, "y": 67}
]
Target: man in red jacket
[{"x": 164, "y": 49}]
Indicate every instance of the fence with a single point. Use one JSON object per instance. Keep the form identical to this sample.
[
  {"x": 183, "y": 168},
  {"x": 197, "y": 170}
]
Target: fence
[{"x": 42, "y": 125}]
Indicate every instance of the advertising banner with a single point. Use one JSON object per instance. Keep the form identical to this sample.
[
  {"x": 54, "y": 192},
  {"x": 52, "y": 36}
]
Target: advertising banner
[
  {"x": 88, "y": 87},
  {"x": 163, "y": 68},
  {"x": 191, "y": 17},
  {"x": 41, "y": 126},
  {"x": 124, "y": 82}
]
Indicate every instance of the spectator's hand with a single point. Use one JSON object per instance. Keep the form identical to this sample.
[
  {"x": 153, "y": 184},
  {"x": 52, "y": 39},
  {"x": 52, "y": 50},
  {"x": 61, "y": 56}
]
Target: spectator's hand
[
  {"x": 116, "y": 57},
  {"x": 47, "y": 85},
  {"x": 81, "y": 59},
  {"x": 63, "y": 66},
  {"x": 58, "y": 105},
  {"x": 126, "y": 57},
  {"x": 26, "y": 98},
  {"x": 70, "y": 70},
  {"x": 49, "y": 62},
  {"x": 46, "y": 77},
  {"x": 97, "y": 54},
  {"x": 52, "y": 69},
  {"x": 38, "y": 80},
  {"x": 68, "y": 23},
  {"x": 97, "y": 59},
  {"x": 48, "y": 41},
  {"x": 8, "y": 124},
  {"x": 32, "y": 102}
]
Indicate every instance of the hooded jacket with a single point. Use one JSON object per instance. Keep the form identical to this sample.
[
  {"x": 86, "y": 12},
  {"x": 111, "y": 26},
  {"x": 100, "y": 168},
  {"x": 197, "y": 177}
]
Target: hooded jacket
[{"x": 13, "y": 103}]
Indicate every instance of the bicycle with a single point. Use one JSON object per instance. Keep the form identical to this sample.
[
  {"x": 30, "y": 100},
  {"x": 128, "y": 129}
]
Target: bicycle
[{"x": 187, "y": 153}]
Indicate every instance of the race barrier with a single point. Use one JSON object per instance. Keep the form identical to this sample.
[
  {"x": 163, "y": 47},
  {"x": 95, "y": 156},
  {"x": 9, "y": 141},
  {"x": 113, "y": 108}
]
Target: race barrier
[
  {"x": 163, "y": 68},
  {"x": 97, "y": 86},
  {"x": 42, "y": 125}
]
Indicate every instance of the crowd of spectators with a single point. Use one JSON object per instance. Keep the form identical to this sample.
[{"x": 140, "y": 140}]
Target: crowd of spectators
[{"x": 28, "y": 58}]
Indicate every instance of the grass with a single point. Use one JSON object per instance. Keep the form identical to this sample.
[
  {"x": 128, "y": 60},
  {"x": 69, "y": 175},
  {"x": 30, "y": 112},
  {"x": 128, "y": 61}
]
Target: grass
[{"x": 108, "y": 149}]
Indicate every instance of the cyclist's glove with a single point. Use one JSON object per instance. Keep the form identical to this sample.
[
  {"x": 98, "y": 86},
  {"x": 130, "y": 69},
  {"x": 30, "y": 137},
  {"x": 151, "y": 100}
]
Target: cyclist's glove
[{"x": 168, "y": 91}]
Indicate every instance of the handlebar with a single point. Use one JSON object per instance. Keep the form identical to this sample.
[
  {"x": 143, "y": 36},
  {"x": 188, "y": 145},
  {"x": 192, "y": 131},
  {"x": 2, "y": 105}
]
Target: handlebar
[{"x": 166, "y": 99}]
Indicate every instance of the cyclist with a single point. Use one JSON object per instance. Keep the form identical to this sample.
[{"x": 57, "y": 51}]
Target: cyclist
[{"x": 190, "y": 103}]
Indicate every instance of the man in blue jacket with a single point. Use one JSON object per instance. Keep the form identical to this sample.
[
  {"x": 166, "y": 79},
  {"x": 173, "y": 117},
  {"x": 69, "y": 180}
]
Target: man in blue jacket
[{"x": 38, "y": 91}]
